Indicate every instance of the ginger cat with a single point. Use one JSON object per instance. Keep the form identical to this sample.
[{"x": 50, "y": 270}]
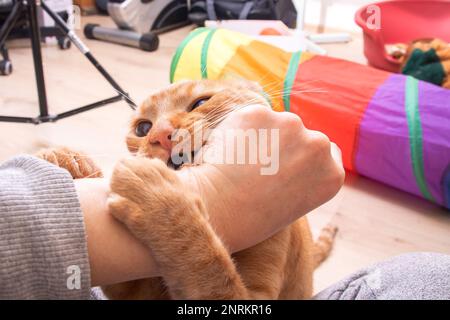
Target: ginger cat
[{"x": 172, "y": 220}]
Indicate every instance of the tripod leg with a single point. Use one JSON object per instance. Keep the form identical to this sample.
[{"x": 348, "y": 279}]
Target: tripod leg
[
  {"x": 4, "y": 52},
  {"x": 10, "y": 22},
  {"x": 85, "y": 50},
  {"x": 37, "y": 58}
]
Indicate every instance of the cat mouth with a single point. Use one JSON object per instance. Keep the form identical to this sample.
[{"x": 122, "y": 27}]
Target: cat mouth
[
  {"x": 172, "y": 165},
  {"x": 176, "y": 161}
]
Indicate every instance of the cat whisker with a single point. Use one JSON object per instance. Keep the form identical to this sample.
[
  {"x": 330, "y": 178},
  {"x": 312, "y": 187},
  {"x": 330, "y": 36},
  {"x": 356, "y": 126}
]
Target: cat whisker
[{"x": 127, "y": 98}]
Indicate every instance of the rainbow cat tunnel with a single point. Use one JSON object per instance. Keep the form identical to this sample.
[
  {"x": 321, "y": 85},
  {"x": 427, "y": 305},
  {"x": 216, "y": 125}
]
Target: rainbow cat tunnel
[{"x": 390, "y": 127}]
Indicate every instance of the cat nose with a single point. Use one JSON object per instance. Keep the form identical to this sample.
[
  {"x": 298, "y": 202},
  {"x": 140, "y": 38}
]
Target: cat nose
[{"x": 162, "y": 134}]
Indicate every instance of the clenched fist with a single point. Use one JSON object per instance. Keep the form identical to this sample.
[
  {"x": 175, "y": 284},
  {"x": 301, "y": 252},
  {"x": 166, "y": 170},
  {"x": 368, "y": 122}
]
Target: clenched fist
[{"x": 309, "y": 173}]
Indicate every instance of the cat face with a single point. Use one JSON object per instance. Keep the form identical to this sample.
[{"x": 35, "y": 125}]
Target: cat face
[{"x": 186, "y": 105}]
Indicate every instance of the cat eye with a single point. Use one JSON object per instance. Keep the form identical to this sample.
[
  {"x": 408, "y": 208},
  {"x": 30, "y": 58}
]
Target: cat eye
[
  {"x": 198, "y": 103},
  {"x": 143, "y": 128}
]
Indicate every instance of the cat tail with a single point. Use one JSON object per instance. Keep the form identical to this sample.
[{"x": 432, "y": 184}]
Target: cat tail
[{"x": 324, "y": 244}]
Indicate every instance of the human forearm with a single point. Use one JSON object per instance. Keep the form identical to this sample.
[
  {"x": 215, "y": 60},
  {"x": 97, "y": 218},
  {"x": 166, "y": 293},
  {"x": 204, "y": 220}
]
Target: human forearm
[{"x": 114, "y": 254}]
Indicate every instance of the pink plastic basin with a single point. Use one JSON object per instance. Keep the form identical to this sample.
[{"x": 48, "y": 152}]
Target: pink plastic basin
[{"x": 402, "y": 21}]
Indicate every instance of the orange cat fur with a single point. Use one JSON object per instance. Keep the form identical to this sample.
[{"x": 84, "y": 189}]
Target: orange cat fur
[{"x": 172, "y": 220}]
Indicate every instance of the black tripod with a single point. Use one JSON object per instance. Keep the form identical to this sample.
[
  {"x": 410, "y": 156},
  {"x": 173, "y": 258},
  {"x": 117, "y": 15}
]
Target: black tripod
[{"x": 30, "y": 6}]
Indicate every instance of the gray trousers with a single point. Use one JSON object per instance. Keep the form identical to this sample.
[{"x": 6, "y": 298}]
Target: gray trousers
[
  {"x": 415, "y": 276},
  {"x": 411, "y": 276}
]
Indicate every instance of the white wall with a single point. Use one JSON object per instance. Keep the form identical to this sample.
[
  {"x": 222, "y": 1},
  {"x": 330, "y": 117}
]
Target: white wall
[{"x": 340, "y": 13}]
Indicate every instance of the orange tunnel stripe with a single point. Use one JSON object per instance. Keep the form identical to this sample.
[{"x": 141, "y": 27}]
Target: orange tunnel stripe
[{"x": 263, "y": 63}]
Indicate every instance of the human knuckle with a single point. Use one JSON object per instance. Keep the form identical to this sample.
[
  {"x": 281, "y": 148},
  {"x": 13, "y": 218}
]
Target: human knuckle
[
  {"x": 255, "y": 112},
  {"x": 292, "y": 120},
  {"x": 320, "y": 143},
  {"x": 340, "y": 175},
  {"x": 334, "y": 176}
]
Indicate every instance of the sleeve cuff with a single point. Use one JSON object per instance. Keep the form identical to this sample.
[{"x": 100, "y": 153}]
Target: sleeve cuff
[{"x": 43, "y": 251}]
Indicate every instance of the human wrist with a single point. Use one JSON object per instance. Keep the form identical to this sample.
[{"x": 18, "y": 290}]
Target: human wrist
[
  {"x": 115, "y": 255},
  {"x": 232, "y": 214}
]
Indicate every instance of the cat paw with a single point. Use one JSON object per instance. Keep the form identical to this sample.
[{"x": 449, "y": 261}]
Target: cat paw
[
  {"x": 78, "y": 165},
  {"x": 167, "y": 217},
  {"x": 148, "y": 197}
]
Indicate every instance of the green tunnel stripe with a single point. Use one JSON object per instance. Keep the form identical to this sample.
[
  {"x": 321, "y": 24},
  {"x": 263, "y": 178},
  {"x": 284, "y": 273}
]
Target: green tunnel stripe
[
  {"x": 290, "y": 78},
  {"x": 204, "y": 57},
  {"x": 179, "y": 51},
  {"x": 415, "y": 134}
]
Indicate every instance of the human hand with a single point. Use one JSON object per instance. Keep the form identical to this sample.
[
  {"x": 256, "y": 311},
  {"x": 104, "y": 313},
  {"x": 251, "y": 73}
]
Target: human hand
[{"x": 246, "y": 206}]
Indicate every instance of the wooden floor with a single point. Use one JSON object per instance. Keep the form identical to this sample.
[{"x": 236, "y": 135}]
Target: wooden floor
[{"x": 375, "y": 221}]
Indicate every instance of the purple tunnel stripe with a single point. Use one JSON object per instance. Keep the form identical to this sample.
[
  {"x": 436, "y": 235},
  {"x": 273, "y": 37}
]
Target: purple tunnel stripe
[
  {"x": 434, "y": 110},
  {"x": 383, "y": 151}
]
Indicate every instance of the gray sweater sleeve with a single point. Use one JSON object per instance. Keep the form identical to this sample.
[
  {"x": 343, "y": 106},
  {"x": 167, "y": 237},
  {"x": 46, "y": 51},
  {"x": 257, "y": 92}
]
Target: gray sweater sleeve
[{"x": 43, "y": 253}]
